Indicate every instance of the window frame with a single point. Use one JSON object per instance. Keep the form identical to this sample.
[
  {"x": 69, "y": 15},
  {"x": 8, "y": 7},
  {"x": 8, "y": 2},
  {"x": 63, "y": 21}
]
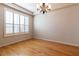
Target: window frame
[{"x": 19, "y": 13}]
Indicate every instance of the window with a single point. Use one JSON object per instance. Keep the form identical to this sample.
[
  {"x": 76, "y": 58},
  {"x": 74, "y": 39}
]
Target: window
[
  {"x": 22, "y": 23},
  {"x": 26, "y": 27},
  {"x": 16, "y": 23},
  {"x": 9, "y": 22}
]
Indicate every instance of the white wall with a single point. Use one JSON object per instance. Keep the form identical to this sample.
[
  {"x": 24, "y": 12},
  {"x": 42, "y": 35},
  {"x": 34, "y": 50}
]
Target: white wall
[
  {"x": 59, "y": 25},
  {"x": 12, "y": 39}
]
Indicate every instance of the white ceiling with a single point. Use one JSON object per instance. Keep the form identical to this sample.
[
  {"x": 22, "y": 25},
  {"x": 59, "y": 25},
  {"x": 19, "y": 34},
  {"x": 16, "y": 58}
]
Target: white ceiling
[
  {"x": 29, "y": 6},
  {"x": 32, "y": 6}
]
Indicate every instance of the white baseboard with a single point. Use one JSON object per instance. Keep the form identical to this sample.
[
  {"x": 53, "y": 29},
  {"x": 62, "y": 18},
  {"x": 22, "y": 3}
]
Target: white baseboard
[
  {"x": 76, "y": 45},
  {"x": 70, "y": 44}
]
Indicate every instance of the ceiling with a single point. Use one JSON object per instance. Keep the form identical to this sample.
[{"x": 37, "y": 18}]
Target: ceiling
[
  {"x": 29, "y": 6},
  {"x": 32, "y": 6}
]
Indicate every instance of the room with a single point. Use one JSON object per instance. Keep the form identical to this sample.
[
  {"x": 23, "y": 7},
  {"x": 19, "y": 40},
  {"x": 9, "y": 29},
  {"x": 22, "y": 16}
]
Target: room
[{"x": 39, "y": 29}]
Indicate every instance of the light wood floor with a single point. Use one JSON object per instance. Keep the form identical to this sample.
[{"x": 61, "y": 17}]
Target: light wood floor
[{"x": 36, "y": 47}]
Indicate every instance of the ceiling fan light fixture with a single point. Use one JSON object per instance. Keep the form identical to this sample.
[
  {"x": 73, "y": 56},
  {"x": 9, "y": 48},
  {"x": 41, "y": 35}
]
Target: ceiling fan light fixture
[{"x": 43, "y": 7}]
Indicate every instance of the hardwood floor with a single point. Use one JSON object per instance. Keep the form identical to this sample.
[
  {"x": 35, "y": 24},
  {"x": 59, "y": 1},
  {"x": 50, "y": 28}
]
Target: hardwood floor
[{"x": 36, "y": 47}]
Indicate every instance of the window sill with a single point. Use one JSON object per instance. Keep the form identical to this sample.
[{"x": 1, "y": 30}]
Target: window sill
[{"x": 14, "y": 34}]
